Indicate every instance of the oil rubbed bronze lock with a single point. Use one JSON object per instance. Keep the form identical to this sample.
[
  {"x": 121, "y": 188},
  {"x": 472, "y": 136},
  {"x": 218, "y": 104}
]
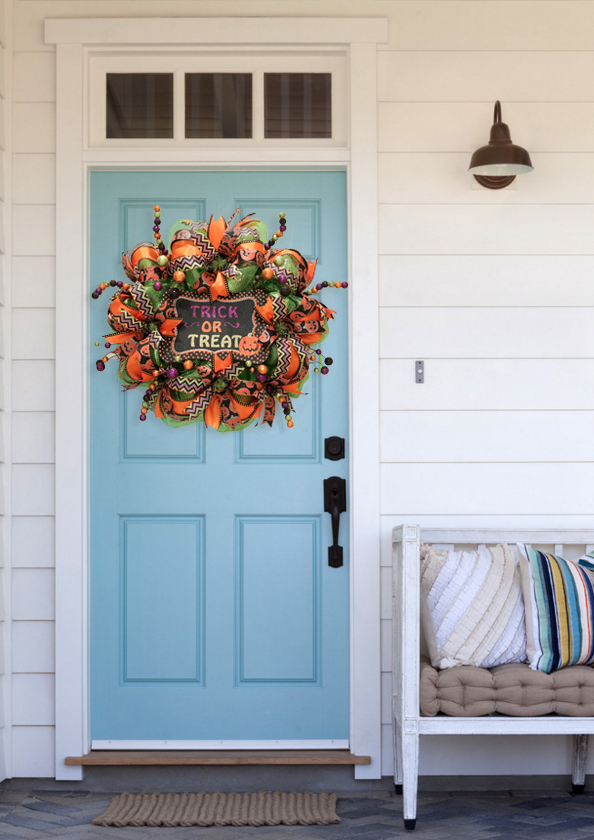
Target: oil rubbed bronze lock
[
  {"x": 335, "y": 504},
  {"x": 334, "y": 448}
]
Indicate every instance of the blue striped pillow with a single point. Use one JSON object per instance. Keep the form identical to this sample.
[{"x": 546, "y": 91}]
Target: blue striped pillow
[{"x": 559, "y": 602}]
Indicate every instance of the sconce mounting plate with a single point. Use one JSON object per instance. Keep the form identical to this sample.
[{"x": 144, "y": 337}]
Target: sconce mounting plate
[{"x": 495, "y": 182}]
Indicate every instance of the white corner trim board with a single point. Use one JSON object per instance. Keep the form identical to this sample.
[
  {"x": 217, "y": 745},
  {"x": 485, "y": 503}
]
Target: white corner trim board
[{"x": 74, "y": 37}]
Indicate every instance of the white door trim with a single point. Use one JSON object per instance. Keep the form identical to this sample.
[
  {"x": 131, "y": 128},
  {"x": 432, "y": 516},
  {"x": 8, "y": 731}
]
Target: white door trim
[{"x": 71, "y": 36}]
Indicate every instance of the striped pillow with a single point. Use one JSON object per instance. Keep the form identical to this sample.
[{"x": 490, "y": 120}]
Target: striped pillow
[
  {"x": 471, "y": 607},
  {"x": 559, "y": 600}
]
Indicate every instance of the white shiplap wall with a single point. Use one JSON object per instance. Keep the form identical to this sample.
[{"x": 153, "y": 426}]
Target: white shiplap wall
[
  {"x": 494, "y": 290},
  {"x": 5, "y": 601},
  {"x": 33, "y": 400}
]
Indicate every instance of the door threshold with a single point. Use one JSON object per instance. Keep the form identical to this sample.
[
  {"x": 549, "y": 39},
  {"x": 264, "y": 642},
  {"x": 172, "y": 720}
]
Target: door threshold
[{"x": 111, "y": 758}]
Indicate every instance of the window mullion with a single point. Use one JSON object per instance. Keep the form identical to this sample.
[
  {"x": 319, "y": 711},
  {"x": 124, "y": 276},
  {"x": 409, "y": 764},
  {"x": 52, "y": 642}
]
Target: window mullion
[
  {"x": 258, "y": 106},
  {"x": 179, "y": 106}
]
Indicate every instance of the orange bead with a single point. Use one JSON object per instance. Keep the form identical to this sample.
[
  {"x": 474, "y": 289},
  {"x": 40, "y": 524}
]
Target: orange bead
[
  {"x": 179, "y": 276},
  {"x": 144, "y": 410},
  {"x": 279, "y": 233},
  {"x": 268, "y": 274},
  {"x": 156, "y": 208},
  {"x": 262, "y": 369},
  {"x": 152, "y": 386},
  {"x": 290, "y": 424},
  {"x": 188, "y": 364},
  {"x": 126, "y": 287},
  {"x": 104, "y": 359}
]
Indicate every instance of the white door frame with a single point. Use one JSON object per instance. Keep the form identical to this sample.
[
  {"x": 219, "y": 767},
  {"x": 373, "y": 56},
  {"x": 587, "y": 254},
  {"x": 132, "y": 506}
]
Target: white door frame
[{"x": 73, "y": 37}]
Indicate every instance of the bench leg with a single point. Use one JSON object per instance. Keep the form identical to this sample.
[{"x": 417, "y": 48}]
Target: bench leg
[
  {"x": 397, "y": 742},
  {"x": 580, "y": 756},
  {"x": 410, "y": 778}
]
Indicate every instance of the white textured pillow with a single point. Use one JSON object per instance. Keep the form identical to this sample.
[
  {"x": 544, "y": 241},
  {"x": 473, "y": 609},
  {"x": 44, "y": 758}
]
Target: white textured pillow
[{"x": 472, "y": 609}]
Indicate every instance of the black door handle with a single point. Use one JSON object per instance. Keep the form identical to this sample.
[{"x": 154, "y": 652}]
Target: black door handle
[{"x": 335, "y": 504}]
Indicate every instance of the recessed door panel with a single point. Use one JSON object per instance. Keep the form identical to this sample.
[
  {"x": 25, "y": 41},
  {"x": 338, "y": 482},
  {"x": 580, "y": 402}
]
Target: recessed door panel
[
  {"x": 277, "y": 583},
  {"x": 162, "y": 598}
]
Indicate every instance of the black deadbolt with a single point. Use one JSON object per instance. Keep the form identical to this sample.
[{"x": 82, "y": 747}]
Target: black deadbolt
[{"x": 334, "y": 448}]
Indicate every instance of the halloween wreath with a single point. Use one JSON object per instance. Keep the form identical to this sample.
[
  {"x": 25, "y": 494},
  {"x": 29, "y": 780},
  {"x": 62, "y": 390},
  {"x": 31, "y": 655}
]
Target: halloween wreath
[{"x": 220, "y": 326}]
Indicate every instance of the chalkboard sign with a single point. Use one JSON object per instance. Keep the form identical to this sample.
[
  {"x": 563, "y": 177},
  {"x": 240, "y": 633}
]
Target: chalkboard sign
[
  {"x": 205, "y": 328},
  {"x": 215, "y": 326}
]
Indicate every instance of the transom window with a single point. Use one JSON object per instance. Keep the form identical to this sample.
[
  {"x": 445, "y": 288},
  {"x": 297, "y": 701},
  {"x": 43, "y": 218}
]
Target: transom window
[{"x": 266, "y": 100}]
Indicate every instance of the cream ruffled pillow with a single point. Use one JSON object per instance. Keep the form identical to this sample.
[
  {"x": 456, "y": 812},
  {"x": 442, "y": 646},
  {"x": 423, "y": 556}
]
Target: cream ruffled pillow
[{"x": 472, "y": 611}]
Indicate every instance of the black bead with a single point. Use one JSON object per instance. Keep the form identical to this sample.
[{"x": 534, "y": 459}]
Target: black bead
[
  {"x": 286, "y": 410},
  {"x": 175, "y": 292},
  {"x": 325, "y": 284},
  {"x": 94, "y": 295},
  {"x": 329, "y": 360},
  {"x": 112, "y": 282},
  {"x": 285, "y": 291}
]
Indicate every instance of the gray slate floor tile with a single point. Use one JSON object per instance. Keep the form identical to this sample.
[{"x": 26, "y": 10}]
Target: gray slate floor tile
[{"x": 512, "y": 815}]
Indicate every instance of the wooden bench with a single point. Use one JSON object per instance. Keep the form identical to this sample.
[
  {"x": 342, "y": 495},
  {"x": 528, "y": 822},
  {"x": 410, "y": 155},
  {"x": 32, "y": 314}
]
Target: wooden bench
[{"x": 409, "y": 724}]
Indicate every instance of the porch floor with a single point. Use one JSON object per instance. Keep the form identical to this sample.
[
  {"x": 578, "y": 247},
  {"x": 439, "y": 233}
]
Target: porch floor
[{"x": 508, "y": 815}]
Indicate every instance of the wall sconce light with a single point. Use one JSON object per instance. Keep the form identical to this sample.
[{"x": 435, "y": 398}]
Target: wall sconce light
[{"x": 496, "y": 165}]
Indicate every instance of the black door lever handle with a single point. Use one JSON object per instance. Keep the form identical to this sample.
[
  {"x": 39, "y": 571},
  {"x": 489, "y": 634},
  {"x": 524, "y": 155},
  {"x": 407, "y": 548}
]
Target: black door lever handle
[{"x": 335, "y": 504}]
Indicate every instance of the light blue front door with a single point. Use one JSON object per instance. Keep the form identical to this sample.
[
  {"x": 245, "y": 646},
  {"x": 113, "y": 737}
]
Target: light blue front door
[{"x": 214, "y": 612}]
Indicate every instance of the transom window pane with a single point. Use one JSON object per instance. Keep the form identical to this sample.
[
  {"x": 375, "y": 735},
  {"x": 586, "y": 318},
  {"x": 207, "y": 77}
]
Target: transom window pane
[
  {"x": 297, "y": 105},
  {"x": 139, "y": 105},
  {"x": 218, "y": 105}
]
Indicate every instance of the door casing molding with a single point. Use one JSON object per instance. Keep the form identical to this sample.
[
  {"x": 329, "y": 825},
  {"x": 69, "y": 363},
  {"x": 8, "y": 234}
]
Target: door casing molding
[{"x": 73, "y": 38}]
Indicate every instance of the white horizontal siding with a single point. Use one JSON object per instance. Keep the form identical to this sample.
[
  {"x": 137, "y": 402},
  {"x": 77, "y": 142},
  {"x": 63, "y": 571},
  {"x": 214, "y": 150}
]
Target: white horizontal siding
[
  {"x": 33, "y": 490},
  {"x": 33, "y": 542},
  {"x": 34, "y": 179},
  {"x": 486, "y": 229},
  {"x": 34, "y": 77},
  {"x": 33, "y": 699},
  {"x": 487, "y": 332},
  {"x": 33, "y": 281},
  {"x": 450, "y": 76},
  {"x": 33, "y": 437},
  {"x": 478, "y": 436},
  {"x": 33, "y": 594},
  {"x": 443, "y": 178},
  {"x": 34, "y": 230},
  {"x": 33, "y": 647},
  {"x": 492, "y": 289},
  {"x": 33, "y": 385},
  {"x": 34, "y": 754},
  {"x": 463, "y": 280},
  {"x": 488, "y": 488},
  {"x": 464, "y": 126},
  {"x": 497, "y": 384},
  {"x": 34, "y": 127},
  {"x": 33, "y": 334}
]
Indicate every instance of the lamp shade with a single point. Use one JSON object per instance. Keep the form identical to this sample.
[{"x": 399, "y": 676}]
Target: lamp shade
[{"x": 500, "y": 158}]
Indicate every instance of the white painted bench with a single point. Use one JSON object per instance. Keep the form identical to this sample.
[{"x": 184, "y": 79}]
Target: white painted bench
[{"x": 409, "y": 724}]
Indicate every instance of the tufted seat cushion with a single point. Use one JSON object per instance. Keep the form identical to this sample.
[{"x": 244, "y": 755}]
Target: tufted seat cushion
[{"x": 515, "y": 689}]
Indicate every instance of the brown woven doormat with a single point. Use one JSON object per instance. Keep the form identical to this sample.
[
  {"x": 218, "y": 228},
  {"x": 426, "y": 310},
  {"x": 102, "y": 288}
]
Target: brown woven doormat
[{"x": 185, "y": 809}]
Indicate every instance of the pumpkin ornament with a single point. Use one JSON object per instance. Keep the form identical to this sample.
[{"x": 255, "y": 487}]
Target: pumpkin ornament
[{"x": 219, "y": 326}]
